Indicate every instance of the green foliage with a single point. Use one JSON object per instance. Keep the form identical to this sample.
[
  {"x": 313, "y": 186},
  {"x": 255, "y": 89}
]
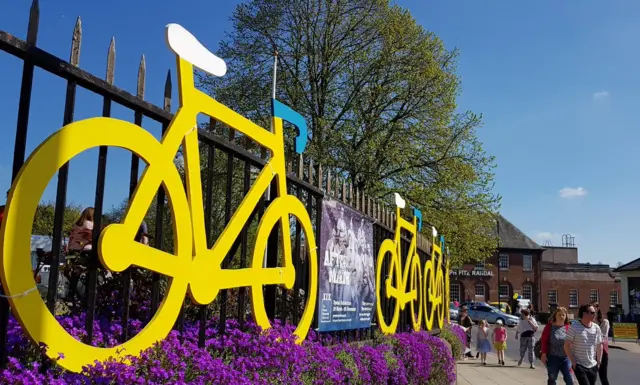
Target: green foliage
[
  {"x": 457, "y": 348},
  {"x": 379, "y": 94},
  {"x": 349, "y": 362},
  {"x": 45, "y": 213}
]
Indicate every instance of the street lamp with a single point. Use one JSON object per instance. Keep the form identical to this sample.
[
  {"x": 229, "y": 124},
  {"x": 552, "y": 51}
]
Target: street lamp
[{"x": 498, "y": 251}]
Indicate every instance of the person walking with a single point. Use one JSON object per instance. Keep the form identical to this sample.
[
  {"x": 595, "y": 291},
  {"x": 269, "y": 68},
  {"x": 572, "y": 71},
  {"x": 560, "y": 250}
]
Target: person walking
[
  {"x": 604, "y": 328},
  {"x": 483, "y": 346},
  {"x": 467, "y": 324},
  {"x": 499, "y": 336},
  {"x": 552, "y": 347},
  {"x": 526, "y": 331},
  {"x": 583, "y": 346}
]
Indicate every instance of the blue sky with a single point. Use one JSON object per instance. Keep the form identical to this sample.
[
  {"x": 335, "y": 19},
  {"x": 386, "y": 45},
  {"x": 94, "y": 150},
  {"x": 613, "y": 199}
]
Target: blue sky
[{"x": 557, "y": 83}]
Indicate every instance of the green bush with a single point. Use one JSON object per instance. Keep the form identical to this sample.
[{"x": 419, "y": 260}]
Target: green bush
[{"x": 457, "y": 348}]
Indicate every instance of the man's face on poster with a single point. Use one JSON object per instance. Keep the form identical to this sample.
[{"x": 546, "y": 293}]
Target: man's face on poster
[{"x": 341, "y": 232}]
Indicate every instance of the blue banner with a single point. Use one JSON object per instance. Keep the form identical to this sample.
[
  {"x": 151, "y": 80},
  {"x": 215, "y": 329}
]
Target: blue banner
[{"x": 347, "y": 274}]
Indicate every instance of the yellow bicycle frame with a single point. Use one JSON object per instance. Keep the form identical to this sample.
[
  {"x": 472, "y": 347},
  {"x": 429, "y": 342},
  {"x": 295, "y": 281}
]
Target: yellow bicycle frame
[{"x": 206, "y": 262}]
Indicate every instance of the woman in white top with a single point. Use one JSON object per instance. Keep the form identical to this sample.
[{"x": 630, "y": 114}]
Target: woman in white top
[
  {"x": 604, "y": 327},
  {"x": 526, "y": 331}
]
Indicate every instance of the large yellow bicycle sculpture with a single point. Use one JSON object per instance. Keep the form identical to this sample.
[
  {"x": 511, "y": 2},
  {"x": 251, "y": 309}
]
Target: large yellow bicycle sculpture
[
  {"x": 193, "y": 264},
  {"x": 426, "y": 296}
]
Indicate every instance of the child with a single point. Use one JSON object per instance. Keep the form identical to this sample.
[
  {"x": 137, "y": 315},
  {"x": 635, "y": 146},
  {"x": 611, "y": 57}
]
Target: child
[
  {"x": 483, "y": 346},
  {"x": 500, "y": 341}
]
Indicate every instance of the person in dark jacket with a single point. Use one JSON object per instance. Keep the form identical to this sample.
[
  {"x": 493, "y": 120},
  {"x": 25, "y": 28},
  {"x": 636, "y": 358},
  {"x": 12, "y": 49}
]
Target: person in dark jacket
[{"x": 466, "y": 322}]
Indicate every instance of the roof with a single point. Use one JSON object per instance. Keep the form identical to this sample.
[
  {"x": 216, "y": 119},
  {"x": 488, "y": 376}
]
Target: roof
[
  {"x": 631, "y": 266},
  {"x": 577, "y": 267},
  {"x": 512, "y": 238}
]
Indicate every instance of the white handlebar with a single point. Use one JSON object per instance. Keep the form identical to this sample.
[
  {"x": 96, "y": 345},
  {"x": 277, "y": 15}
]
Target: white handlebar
[
  {"x": 399, "y": 201},
  {"x": 185, "y": 45}
]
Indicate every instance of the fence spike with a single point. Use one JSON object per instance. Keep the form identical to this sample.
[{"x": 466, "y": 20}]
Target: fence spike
[
  {"x": 311, "y": 171},
  {"x": 142, "y": 75},
  {"x": 300, "y": 167},
  {"x": 320, "y": 176},
  {"x": 373, "y": 208},
  {"x": 344, "y": 191},
  {"x": 76, "y": 42},
  {"x": 34, "y": 21},
  {"x": 111, "y": 62},
  {"x": 328, "y": 190},
  {"x": 167, "y": 92}
]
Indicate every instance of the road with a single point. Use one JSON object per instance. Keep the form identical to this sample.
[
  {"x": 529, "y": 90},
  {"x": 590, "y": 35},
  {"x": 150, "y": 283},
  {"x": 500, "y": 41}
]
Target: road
[{"x": 623, "y": 365}]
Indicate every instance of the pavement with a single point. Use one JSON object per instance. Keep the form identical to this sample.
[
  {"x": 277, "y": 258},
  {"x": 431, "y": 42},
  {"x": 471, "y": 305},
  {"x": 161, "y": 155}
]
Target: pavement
[
  {"x": 624, "y": 358},
  {"x": 472, "y": 372},
  {"x": 623, "y": 345}
]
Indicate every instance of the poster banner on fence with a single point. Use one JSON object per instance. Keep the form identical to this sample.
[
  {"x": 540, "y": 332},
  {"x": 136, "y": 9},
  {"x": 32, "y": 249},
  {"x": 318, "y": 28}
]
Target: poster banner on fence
[{"x": 347, "y": 276}]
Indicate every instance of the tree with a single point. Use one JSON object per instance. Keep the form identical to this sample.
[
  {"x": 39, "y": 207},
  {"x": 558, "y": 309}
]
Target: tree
[
  {"x": 379, "y": 93},
  {"x": 45, "y": 214}
]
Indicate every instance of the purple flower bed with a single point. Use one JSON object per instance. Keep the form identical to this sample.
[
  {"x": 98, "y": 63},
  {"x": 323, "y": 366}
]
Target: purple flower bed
[{"x": 240, "y": 357}]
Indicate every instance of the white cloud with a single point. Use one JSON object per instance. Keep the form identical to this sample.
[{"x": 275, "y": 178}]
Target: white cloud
[
  {"x": 545, "y": 235},
  {"x": 601, "y": 95},
  {"x": 572, "y": 192}
]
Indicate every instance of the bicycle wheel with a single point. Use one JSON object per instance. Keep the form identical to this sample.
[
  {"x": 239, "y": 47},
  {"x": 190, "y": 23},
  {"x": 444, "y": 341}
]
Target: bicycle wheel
[
  {"x": 388, "y": 247},
  {"x": 15, "y": 237},
  {"x": 415, "y": 283},
  {"x": 278, "y": 210},
  {"x": 439, "y": 298}
]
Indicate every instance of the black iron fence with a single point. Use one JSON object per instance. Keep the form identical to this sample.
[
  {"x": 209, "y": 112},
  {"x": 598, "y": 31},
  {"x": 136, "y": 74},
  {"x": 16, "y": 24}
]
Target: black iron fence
[{"x": 230, "y": 164}]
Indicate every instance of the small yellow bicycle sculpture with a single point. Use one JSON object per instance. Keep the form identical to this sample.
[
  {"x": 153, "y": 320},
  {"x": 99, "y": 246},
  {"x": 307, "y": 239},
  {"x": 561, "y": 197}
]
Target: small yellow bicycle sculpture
[
  {"x": 422, "y": 293},
  {"x": 193, "y": 264}
]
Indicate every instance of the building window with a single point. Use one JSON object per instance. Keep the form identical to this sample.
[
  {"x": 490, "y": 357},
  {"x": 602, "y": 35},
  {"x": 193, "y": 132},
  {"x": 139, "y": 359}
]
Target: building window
[
  {"x": 527, "y": 292},
  {"x": 573, "y": 298},
  {"x": 593, "y": 296},
  {"x": 527, "y": 263},
  {"x": 454, "y": 292},
  {"x": 480, "y": 290},
  {"x": 552, "y": 296},
  {"x": 504, "y": 262},
  {"x": 481, "y": 265},
  {"x": 613, "y": 298},
  {"x": 504, "y": 291}
]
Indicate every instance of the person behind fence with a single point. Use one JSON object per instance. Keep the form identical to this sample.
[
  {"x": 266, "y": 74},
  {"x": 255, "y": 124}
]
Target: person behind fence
[
  {"x": 583, "y": 346},
  {"x": 552, "y": 347},
  {"x": 526, "y": 332},
  {"x": 499, "y": 336},
  {"x": 483, "y": 345},
  {"x": 81, "y": 233},
  {"x": 142, "y": 235}
]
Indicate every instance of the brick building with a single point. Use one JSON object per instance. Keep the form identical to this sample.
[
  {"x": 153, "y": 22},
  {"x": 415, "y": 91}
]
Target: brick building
[
  {"x": 544, "y": 275},
  {"x": 568, "y": 283},
  {"x": 513, "y": 268}
]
